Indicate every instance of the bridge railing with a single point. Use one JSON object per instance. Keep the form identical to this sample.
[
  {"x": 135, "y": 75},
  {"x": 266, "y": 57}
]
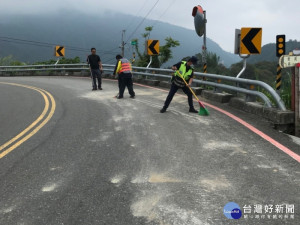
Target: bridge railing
[{"x": 213, "y": 80}]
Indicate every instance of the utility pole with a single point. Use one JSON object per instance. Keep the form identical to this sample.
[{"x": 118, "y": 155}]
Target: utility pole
[
  {"x": 123, "y": 43},
  {"x": 204, "y": 47}
]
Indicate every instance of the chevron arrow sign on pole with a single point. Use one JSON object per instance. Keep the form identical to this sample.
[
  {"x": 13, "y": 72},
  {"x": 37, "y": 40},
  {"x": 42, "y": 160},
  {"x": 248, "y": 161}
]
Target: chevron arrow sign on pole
[
  {"x": 59, "y": 51},
  {"x": 153, "y": 47},
  {"x": 250, "y": 41}
]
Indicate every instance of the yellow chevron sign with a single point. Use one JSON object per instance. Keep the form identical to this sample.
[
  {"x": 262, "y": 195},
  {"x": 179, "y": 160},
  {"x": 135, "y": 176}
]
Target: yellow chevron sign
[
  {"x": 153, "y": 47},
  {"x": 59, "y": 51},
  {"x": 250, "y": 41}
]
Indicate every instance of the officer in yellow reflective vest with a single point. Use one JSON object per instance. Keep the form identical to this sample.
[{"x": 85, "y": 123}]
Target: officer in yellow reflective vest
[
  {"x": 187, "y": 72},
  {"x": 123, "y": 69}
]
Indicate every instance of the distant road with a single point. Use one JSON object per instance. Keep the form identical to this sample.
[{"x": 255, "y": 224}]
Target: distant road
[{"x": 99, "y": 160}]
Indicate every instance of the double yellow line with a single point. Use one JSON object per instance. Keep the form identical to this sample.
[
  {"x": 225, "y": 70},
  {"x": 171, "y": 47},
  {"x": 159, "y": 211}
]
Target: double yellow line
[{"x": 33, "y": 128}]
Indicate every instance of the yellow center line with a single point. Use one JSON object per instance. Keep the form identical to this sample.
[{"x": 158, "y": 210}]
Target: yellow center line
[
  {"x": 31, "y": 125},
  {"x": 45, "y": 95}
]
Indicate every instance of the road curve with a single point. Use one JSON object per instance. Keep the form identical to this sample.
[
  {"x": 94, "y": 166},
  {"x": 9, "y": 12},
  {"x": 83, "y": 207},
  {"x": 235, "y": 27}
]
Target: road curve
[
  {"x": 34, "y": 127},
  {"x": 100, "y": 160}
]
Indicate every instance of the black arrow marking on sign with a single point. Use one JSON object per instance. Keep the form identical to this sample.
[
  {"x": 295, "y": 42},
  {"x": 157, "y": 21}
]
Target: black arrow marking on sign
[
  {"x": 152, "y": 49},
  {"x": 59, "y": 51},
  {"x": 247, "y": 40}
]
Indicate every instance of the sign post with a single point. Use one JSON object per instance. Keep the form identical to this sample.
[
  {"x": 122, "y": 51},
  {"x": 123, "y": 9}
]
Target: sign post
[
  {"x": 280, "y": 50},
  {"x": 133, "y": 55},
  {"x": 204, "y": 46},
  {"x": 133, "y": 43},
  {"x": 297, "y": 100},
  {"x": 200, "y": 27},
  {"x": 59, "y": 51},
  {"x": 247, "y": 42},
  {"x": 152, "y": 49},
  {"x": 293, "y": 61}
]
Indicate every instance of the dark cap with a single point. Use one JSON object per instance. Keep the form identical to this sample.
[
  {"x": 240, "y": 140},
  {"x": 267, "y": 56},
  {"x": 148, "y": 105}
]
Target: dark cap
[
  {"x": 119, "y": 57},
  {"x": 193, "y": 59}
]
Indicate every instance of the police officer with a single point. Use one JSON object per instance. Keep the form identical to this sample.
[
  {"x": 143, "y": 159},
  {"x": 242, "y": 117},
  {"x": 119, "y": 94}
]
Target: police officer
[
  {"x": 123, "y": 69},
  {"x": 96, "y": 68},
  {"x": 187, "y": 73}
]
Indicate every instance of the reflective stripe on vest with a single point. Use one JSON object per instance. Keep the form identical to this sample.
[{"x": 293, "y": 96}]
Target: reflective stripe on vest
[
  {"x": 125, "y": 66},
  {"x": 182, "y": 70}
]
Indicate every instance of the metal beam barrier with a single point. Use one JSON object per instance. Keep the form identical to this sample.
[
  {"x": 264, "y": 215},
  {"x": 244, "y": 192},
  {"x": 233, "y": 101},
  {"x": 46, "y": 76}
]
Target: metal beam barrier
[{"x": 163, "y": 74}]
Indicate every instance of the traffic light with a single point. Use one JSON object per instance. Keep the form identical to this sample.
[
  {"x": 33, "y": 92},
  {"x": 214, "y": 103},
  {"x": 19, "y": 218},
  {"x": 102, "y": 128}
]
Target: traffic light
[{"x": 280, "y": 45}]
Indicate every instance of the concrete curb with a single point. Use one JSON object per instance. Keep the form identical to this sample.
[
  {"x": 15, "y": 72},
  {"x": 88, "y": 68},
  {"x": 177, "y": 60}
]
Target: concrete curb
[
  {"x": 151, "y": 82},
  {"x": 283, "y": 119},
  {"x": 217, "y": 97},
  {"x": 164, "y": 84}
]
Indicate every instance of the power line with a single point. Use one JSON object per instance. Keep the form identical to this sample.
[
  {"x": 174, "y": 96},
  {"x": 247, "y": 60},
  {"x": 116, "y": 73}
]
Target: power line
[
  {"x": 43, "y": 43},
  {"x": 46, "y": 44},
  {"x": 129, "y": 24},
  {"x": 138, "y": 12},
  {"x": 24, "y": 43},
  {"x": 166, "y": 10},
  {"x": 138, "y": 26}
]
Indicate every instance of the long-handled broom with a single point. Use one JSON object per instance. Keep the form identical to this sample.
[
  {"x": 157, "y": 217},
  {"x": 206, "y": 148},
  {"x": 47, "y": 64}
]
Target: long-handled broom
[{"x": 203, "y": 111}]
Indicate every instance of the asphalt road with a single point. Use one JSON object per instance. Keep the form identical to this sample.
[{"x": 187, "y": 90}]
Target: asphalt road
[{"x": 100, "y": 160}]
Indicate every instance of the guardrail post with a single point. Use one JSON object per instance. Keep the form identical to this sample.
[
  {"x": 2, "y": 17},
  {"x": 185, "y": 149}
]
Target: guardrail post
[
  {"x": 216, "y": 89},
  {"x": 251, "y": 98},
  {"x": 62, "y": 71}
]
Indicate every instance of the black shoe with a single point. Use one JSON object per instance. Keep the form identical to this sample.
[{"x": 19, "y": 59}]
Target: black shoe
[
  {"x": 132, "y": 96},
  {"x": 100, "y": 88},
  {"x": 119, "y": 97},
  {"x": 94, "y": 89},
  {"x": 192, "y": 110},
  {"x": 163, "y": 110}
]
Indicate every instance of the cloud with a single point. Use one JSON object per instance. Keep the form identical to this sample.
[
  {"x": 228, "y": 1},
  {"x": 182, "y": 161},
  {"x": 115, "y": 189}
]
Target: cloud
[{"x": 274, "y": 16}]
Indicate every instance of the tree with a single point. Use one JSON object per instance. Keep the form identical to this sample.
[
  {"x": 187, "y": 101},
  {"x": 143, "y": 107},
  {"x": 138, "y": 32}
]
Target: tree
[
  {"x": 213, "y": 63},
  {"x": 61, "y": 61},
  {"x": 69, "y": 60},
  {"x": 10, "y": 61},
  {"x": 165, "y": 50},
  {"x": 148, "y": 31},
  {"x": 164, "y": 55}
]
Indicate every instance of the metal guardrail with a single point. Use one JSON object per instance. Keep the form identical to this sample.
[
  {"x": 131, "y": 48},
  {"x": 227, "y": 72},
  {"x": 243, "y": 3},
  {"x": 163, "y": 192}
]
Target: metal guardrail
[{"x": 165, "y": 73}]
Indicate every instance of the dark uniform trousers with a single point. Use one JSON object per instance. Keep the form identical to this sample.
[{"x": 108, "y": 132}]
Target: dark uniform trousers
[
  {"x": 173, "y": 90},
  {"x": 96, "y": 75},
  {"x": 125, "y": 80}
]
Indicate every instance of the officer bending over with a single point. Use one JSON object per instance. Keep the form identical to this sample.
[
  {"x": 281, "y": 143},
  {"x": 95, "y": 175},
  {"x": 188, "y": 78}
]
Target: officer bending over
[{"x": 187, "y": 73}]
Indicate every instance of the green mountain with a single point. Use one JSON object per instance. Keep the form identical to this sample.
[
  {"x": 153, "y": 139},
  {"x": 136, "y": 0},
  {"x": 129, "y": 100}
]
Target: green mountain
[
  {"x": 79, "y": 32},
  {"x": 268, "y": 52}
]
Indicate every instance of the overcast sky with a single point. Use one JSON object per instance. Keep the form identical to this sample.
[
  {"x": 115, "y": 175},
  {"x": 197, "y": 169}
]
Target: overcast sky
[{"x": 224, "y": 16}]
